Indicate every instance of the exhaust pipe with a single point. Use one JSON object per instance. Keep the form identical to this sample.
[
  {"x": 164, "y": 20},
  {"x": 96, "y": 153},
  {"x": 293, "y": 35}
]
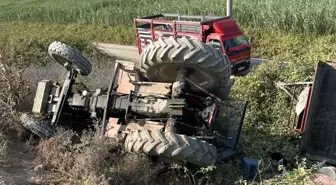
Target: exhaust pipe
[{"x": 229, "y": 8}]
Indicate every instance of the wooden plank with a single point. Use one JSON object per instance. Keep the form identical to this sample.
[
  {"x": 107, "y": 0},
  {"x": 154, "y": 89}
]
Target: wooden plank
[
  {"x": 146, "y": 125},
  {"x": 155, "y": 89},
  {"x": 115, "y": 130},
  {"x": 125, "y": 86},
  {"x": 126, "y": 65}
]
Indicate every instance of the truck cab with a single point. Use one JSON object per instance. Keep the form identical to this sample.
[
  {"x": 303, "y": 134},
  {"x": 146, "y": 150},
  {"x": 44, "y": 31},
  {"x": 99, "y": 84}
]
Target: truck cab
[{"x": 227, "y": 37}]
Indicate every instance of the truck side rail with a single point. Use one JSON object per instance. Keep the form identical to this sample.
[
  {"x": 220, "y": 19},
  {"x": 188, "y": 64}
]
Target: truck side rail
[
  {"x": 203, "y": 19},
  {"x": 146, "y": 30},
  {"x": 176, "y": 25},
  {"x": 180, "y": 16},
  {"x": 153, "y": 16}
]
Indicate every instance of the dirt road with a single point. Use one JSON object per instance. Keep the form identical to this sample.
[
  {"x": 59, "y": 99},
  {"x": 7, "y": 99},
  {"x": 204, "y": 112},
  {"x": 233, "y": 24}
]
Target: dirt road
[
  {"x": 19, "y": 168},
  {"x": 131, "y": 52}
]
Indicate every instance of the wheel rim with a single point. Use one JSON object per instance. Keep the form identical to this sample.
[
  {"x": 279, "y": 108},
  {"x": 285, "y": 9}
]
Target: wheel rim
[
  {"x": 167, "y": 73},
  {"x": 61, "y": 60}
]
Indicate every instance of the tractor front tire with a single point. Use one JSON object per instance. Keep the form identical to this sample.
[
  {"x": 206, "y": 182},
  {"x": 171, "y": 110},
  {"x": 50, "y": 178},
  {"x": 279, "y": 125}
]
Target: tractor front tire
[
  {"x": 64, "y": 54},
  {"x": 175, "y": 147},
  {"x": 210, "y": 69}
]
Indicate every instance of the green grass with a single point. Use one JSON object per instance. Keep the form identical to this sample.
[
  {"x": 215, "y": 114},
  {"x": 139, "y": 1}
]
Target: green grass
[
  {"x": 28, "y": 42},
  {"x": 302, "y": 16}
]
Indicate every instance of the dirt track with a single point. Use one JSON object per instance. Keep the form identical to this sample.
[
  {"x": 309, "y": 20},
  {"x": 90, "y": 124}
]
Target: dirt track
[
  {"x": 100, "y": 75},
  {"x": 19, "y": 168},
  {"x": 131, "y": 52}
]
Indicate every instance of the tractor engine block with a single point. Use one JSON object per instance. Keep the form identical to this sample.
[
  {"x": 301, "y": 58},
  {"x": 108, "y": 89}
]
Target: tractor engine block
[{"x": 158, "y": 107}]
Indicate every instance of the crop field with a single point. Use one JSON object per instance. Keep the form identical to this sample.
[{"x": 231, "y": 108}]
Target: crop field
[
  {"x": 299, "y": 32},
  {"x": 303, "y": 16}
]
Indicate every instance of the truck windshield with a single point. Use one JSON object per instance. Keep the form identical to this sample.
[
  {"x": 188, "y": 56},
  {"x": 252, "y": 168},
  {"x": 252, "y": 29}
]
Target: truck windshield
[{"x": 237, "y": 41}]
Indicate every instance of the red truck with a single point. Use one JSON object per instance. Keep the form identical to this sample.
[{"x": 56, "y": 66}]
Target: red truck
[{"x": 221, "y": 32}]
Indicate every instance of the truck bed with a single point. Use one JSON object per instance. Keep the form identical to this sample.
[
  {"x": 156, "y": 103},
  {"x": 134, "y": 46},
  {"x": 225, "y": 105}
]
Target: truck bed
[{"x": 164, "y": 25}]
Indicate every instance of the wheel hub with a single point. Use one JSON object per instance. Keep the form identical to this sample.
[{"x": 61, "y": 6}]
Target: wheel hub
[{"x": 168, "y": 73}]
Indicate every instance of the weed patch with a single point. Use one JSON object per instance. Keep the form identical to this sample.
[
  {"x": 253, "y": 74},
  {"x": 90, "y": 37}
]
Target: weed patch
[
  {"x": 90, "y": 159},
  {"x": 3, "y": 150},
  {"x": 13, "y": 92}
]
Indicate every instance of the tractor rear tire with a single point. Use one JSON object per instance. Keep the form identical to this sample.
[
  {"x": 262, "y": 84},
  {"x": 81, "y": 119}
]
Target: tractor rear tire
[
  {"x": 63, "y": 54},
  {"x": 176, "y": 147},
  {"x": 161, "y": 60}
]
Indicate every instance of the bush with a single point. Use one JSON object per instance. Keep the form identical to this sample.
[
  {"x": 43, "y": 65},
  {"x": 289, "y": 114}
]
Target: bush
[
  {"x": 13, "y": 92},
  {"x": 3, "y": 150}
]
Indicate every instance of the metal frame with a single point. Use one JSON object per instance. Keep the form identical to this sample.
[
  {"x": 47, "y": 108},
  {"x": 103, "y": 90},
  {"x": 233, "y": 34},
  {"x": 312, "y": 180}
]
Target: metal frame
[
  {"x": 226, "y": 152},
  {"x": 203, "y": 24},
  {"x": 290, "y": 90},
  {"x": 241, "y": 124},
  {"x": 284, "y": 87},
  {"x": 174, "y": 24},
  {"x": 146, "y": 33},
  {"x": 62, "y": 97},
  {"x": 109, "y": 92},
  {"x": 312, "y": 111}
]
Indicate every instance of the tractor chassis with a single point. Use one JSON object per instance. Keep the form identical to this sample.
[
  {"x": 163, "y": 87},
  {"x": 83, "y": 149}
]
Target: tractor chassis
[{"x": 130, "y": 108}]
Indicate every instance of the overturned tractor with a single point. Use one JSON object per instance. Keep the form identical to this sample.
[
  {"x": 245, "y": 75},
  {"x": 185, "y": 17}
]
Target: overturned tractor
[{"x": 175, "y": 106}]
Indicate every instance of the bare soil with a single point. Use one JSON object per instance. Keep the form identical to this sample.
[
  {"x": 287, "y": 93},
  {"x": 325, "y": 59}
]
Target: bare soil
[
  {"x": 131, "y": 53},
  {"x": 20, "y": 165}
]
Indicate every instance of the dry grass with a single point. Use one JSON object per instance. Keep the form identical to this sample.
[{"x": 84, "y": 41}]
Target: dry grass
[
  {"x": 13, "y": 92},
  {"x": 90, "y": 159},
  {"x": 3, "y": 150}
]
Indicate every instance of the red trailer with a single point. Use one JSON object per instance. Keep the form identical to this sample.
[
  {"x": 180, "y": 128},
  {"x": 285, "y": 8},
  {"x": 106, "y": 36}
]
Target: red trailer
[{"x": 221, "y": 32}]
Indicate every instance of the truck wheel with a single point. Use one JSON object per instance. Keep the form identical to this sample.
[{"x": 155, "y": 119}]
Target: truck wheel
[
  {"x": 63, "y": 54},
  {"x": 172, "y": 146},
  {"x": 161, "y": 60}
]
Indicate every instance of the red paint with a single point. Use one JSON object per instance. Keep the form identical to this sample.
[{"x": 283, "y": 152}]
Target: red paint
[
  {"x": 240, "y": 47},
  {"x": 239, "y": 57},
  {"x": 226, "y": 27},
  {"x": 304, "y": 119},
  {"x": 212, "y": 117}
]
